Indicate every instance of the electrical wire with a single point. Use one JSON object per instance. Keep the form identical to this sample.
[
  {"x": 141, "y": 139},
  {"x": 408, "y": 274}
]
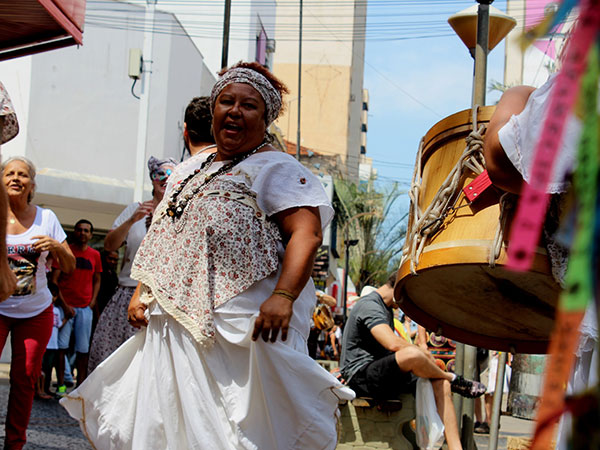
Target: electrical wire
[
  {"x": 387, "y": 20},
  {"x": 132, "y": 86},
  {"x": 400, "y": 19}
]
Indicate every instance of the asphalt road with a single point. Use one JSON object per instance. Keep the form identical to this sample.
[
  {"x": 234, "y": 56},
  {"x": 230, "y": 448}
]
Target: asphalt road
[{"x": 50, "y": 427}]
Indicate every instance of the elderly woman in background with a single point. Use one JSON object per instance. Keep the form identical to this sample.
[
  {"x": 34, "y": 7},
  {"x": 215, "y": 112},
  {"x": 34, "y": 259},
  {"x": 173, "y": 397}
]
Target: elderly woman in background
[
  {"x": 226, "y": 297},
  {"x": 33, "y": 233},
  {"x": 128, "y": 229}
]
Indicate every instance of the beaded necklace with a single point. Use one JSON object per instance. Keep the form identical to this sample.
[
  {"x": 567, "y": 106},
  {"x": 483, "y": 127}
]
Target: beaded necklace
[{"x": 175, "y": 208}]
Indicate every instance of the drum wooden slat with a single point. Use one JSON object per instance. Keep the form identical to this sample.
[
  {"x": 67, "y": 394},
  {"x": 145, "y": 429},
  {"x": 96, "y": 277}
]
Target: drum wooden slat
[{"x": 455, "y": 291}]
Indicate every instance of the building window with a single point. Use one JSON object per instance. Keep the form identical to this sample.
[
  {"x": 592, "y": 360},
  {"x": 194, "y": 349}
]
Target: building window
[
  {"x": 363, "y": 150},
  {"x": 363, "y": 127}
]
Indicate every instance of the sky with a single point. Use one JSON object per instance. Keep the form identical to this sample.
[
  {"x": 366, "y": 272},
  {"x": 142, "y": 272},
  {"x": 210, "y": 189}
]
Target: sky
[{"x": 414, "y": 83}]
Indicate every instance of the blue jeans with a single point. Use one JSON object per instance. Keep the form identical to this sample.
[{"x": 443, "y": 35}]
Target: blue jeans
[{"x": 81, "y": 326}]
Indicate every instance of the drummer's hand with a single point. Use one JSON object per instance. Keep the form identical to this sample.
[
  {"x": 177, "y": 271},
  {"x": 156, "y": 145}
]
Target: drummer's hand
[
  {"x": 135, "y": 312},
  {"x": 425, "y": 350},
  {"x": 275, "y": 314}
]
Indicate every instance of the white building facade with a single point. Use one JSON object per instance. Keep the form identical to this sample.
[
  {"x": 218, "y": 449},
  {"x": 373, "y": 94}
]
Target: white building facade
[
  {"x": 79, "y": 118},
  {"x": 537, "y": 62},
  {"x": 251, "y": 29}
]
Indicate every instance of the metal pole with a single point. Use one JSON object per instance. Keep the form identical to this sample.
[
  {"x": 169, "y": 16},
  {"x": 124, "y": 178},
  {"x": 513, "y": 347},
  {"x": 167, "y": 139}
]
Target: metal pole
[
  {"x": 481, "y": 52},
  {"x": 298, "y": 142},
  {"x": 468, "y": 404},
  {"x": 140, "y": 152},
  {"x": 459, "y": 364},
  {"x": 498, "y": 392},
  {"x": 479, "y": 85},
  {"x": 346, "y": 268},
  {"x": 226, "y": 22}
]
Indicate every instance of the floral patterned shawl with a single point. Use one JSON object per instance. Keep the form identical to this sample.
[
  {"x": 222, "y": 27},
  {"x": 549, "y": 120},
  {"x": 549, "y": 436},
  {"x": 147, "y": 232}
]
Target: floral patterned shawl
[{"x": 221, "y": 245}]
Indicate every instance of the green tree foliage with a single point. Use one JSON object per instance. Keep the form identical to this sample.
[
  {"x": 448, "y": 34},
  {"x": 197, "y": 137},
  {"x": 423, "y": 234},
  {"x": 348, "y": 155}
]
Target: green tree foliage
[{"x": 371, "y": 216}]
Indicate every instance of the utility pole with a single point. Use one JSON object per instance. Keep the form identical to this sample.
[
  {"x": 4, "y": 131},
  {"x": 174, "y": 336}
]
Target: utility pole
[
  {"x": 299, "y": 83},
  {"x": 226, "y": 23},
  {"x": 348, "y": 243},
  {"x": 481, "y": 52},
  {"x": 142, "y": 138},
  {"x": 479, "y": 83}
]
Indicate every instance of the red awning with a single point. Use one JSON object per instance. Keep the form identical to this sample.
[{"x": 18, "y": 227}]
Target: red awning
[{"x": 33, "y": 26}]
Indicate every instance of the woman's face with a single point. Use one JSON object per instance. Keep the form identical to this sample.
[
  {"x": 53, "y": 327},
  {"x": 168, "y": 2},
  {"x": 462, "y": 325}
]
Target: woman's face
[
  {"x": 17, "y": 180},
  {"x": 238, "y": 120},
  {"x": 159, "y": 180}
]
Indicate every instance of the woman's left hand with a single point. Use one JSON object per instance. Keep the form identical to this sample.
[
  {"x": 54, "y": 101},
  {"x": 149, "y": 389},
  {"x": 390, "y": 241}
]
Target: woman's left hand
[
  {"x": 45, "y": 243},
  {"x": 275, "y": 314},
  {"x": 136, "y": 310}
]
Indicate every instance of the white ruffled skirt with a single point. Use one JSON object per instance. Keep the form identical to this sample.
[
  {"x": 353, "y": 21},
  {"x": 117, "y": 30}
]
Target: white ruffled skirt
[{"x": 161, "y": 390}]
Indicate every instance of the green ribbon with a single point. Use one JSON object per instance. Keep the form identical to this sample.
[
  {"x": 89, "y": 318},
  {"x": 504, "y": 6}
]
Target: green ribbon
[{"x": 579, "y": 279}]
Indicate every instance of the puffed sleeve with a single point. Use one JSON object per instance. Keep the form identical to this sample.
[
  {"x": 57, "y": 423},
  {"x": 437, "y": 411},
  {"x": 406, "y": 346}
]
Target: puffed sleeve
[
  {"x": 520, "y": 135},
  {"x": 282, "y": 183}
]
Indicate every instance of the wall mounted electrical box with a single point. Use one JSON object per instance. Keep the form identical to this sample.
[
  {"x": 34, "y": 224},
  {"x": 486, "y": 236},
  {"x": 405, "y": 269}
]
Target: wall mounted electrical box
[{"x": 135, "y": 63}]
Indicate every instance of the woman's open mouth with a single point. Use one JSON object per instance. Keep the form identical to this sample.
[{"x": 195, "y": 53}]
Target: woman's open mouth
[{"x": 232, "y": 128}]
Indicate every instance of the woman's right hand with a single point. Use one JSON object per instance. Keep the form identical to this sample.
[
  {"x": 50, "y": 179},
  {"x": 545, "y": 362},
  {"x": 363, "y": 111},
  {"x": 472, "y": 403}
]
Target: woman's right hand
[
  {"x": 136, "y": 310},
  {"x": 144, "y": 209}
]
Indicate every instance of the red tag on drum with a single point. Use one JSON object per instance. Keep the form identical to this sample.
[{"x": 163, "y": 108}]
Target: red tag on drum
[{"x": 475, "y": 188}]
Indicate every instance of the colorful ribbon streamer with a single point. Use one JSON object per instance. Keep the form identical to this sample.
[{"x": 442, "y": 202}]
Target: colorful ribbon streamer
[
  {"x": 581, "y": 274},
  {"x": 532, "y": 207},
  {"x": 550, "y": 21}
]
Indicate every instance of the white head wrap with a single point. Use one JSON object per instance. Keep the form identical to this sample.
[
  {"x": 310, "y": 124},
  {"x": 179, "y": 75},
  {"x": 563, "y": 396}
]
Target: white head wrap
[
  {"x": 154, "y": 164},
  {"x": 270, "y": 95}
]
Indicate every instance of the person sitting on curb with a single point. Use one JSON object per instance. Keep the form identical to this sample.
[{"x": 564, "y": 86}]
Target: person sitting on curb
[{"x": 378, "y": 363}]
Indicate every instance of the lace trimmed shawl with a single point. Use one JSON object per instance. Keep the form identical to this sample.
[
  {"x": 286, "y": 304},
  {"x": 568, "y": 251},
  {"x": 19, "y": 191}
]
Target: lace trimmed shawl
[
  {"x": 221, "y": 245},
  {"x": 11, "y": 126}
]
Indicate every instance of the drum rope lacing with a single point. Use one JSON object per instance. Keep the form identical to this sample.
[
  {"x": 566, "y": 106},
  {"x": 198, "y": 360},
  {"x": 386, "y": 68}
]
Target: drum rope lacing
[{"x": 427, "y": 223}]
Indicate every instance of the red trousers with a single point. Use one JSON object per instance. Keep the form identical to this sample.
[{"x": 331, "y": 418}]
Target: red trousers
[{"x": 29, "y": 338}]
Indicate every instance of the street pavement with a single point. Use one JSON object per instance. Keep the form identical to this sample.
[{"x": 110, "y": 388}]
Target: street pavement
[
  {"x": 51, "y": 427},
  {"x": 512, "y": 430}
]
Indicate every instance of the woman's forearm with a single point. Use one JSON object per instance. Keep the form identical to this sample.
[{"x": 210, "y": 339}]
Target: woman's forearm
[
  {"x": 65, "y": 257},
  {"x": 298, "y": 261},
  {"x": 115, "y": 238},
  {"x": 301, "y": 229}
]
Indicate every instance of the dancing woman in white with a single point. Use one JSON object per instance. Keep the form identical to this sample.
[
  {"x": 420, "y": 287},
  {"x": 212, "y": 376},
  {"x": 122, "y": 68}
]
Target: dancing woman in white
[{"x": 226, "y": 299}]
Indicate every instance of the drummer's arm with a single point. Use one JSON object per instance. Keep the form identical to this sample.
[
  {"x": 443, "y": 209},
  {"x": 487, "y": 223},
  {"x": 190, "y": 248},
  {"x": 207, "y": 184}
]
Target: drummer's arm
[
  {"x": 391, "y": 341},
  {"x": 500, "y": 169}
]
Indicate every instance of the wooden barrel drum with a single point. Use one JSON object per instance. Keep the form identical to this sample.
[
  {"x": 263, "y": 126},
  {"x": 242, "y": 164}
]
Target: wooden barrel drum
[{"x": 456, "y": 292}]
